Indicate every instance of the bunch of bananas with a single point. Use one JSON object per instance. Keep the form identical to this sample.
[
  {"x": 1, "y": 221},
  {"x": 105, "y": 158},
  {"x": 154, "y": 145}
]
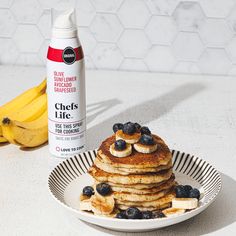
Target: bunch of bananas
[{"x": 24, "y": 120}]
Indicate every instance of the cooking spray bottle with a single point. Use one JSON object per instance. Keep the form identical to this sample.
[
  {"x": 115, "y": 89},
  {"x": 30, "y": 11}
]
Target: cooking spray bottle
[{"x": 66, "y": 89}]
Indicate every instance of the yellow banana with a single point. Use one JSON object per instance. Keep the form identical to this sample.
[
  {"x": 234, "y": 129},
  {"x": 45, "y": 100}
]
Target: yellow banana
[
  {"x": 31, "y": 111},
  {"x": 20, "y": 101},
  {"x": 27, "y": 134},
  {"x": 3, "y": 140}
]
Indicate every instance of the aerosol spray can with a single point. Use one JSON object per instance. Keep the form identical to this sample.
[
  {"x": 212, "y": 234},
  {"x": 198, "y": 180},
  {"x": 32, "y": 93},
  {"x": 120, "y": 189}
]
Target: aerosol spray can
[{"x": 66, "y": 89}]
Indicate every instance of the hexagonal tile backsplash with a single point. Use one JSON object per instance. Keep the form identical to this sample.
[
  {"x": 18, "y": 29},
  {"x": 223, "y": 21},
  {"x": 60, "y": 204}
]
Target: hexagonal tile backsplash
[{"x": 175, "y": 36}]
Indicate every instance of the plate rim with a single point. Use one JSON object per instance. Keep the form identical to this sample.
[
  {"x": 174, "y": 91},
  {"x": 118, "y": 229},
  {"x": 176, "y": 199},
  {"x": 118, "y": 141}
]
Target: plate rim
[{"x": 112, "y": 219}]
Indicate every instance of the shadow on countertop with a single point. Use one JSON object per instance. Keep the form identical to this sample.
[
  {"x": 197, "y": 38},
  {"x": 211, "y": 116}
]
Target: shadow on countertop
[
  {"x": 144, "y": 113},
  {"x": 217, "y": 216}
]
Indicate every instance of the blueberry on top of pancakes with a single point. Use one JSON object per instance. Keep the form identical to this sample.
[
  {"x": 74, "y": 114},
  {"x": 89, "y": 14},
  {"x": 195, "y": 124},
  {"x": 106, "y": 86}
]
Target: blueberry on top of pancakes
[
  {"x": 146, "y": 140},
  {"x": 129, "y": 128},
  {"x": 117, "y": 126},
  {"x": 145, "y": 130},
  {"x": 137, "y": 126},
  {"x": 120, "y": 145}
]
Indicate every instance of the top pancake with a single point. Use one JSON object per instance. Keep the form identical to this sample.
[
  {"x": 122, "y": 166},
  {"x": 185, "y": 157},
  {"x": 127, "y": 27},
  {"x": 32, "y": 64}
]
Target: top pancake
[{"x": 136, "y": 160}]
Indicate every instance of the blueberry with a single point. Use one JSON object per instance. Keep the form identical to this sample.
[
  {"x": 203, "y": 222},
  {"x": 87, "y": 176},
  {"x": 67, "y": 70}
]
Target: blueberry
[
  {"x": 137, "y": 126},
  {"x": 121, "y": 215},
  {"x": 146, "y": 215},
  {"x": 117, "y": 127},
  {"x": 129, "y": 128},
  {"x": 181, "y": 192},
  {"x": 103, "y": 189},
  {"x": 120, "y": 145},
  {"x": 146, "y": 139},
  {"x": 133, "y": 213},
  {"x": 145, "y": 130},
  {"x": 194, "y": 193},
  {"x": 187, "y": 188},
  {"x": 158, "y": 214},
  {"x": 88, "y": 191}
]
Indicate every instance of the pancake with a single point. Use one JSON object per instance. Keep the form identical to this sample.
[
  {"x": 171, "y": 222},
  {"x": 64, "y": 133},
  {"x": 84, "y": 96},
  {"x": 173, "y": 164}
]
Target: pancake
[
  {"x": 126, "y": 171},
  {"x": 124, "y": 207},
  {"x": 125, "y": 196},
  {"x": 162, "y": 156},
  {"x": 150, "y": 178},
  {"x": 137, "y": 186},
  {"x": 167, "y": 185},
  {"x": 155, "y": 204}
]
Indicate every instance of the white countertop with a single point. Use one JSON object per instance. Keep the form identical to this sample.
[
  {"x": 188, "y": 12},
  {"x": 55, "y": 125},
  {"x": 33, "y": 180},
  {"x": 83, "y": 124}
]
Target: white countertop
[{"x": 195, "y": 114}]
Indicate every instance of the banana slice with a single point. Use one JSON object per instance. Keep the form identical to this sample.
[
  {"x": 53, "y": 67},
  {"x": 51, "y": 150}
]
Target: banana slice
[
  {"x": 134, "y": 138},
  {"x": 145, "y": 148},
  {"x": 85, "y": 204},
  {"x": 185, "y": 203},
  {"x": 123, "y": 153},
  {"x": 102, "y": 205},
  {"x": 169, "y": 212}
]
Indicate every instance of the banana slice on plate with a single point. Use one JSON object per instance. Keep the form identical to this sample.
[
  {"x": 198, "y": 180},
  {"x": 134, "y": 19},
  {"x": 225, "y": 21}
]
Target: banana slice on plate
[
  {"x": 169, "y": 212},
  {"x": 185, "y": 203},
  {"x": 102, "y": 205},
  {"x": 145, "y": 148},
  {"x": 124, "y": 153},
  {"x": 133, "y": 138}
]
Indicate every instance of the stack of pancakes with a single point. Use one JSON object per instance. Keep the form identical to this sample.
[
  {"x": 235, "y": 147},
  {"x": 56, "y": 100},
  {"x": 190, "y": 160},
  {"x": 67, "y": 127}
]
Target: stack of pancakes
[{"x": 145, "y": 181}]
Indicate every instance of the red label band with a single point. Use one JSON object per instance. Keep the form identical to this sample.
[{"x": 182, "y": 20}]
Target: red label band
[{"x": 57, "y": 54}]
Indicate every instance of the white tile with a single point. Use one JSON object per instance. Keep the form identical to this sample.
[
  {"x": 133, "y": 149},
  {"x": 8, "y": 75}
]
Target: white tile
[
  {"x": 6, "y": 3},
  {"x": 8, "y": 50},
  {"x": 217, "y": 8},
  {"x": 107, "y": 56},
  {"x": 106, "y": 27},
  {"x": 87, "y": 40},
  {"x": 28, "y": 59},
  {"x": 189, "y": 16},
  {"x": 161, "y": 59},
  {"x": 232, "y": 71},
  {"x": 28, "y": 38},
  {"x": 45, "y": 24},
  {"x": 188, "y": 46},
  {"x": 231, "y": 49},
  {"x": 85, "y": 12},
  {"x": 107, "y": 5},
  {"x": 134, "y": 43},
  {"x": 161, "y": 30},
  {"x": 7, "y": 23},
  {"x": 133, "y": 64},
  {"x": 162, "y": 7},
  {"x": 56, "y": 4},
  {"x": 42, "y": 53},
  {"x": 186, "y": 68},
  {"x": 215, "y": 32},
  {"x": 26, "y": 11},
  {"x": 134, "y": 14},
  {"x": 214, "y": 61},
  {"x": 89, "y": 63},
  {"x": 231, "y": 19}
]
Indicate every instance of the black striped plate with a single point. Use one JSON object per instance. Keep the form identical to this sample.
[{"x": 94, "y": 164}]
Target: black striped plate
[{"x": 67, "y": 180}]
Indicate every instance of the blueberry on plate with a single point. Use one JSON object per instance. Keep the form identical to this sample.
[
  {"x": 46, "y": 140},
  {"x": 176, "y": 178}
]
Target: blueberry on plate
[
  {"x": 137, "y": 126},
  {"x": 194, "y": 193},
  {"x": 129, "y": 128},
  {"x": 147, "y": 215},
  {"x": 88, "y": 191},
  {"x": 147, "y": 139},
  {"x": 181, "y": 192},
  {"x": 103, "y": 189},
  {"x": 145, "y": 130},
  {"x": 121, "y": 215},
  {"x": 117, "y": 126},
  {"x": 188, "y": 188},
  {"x": 120, "y": 145},
  {"x": 133, "y": 213},
  {"x": 158, "y": 214}
]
